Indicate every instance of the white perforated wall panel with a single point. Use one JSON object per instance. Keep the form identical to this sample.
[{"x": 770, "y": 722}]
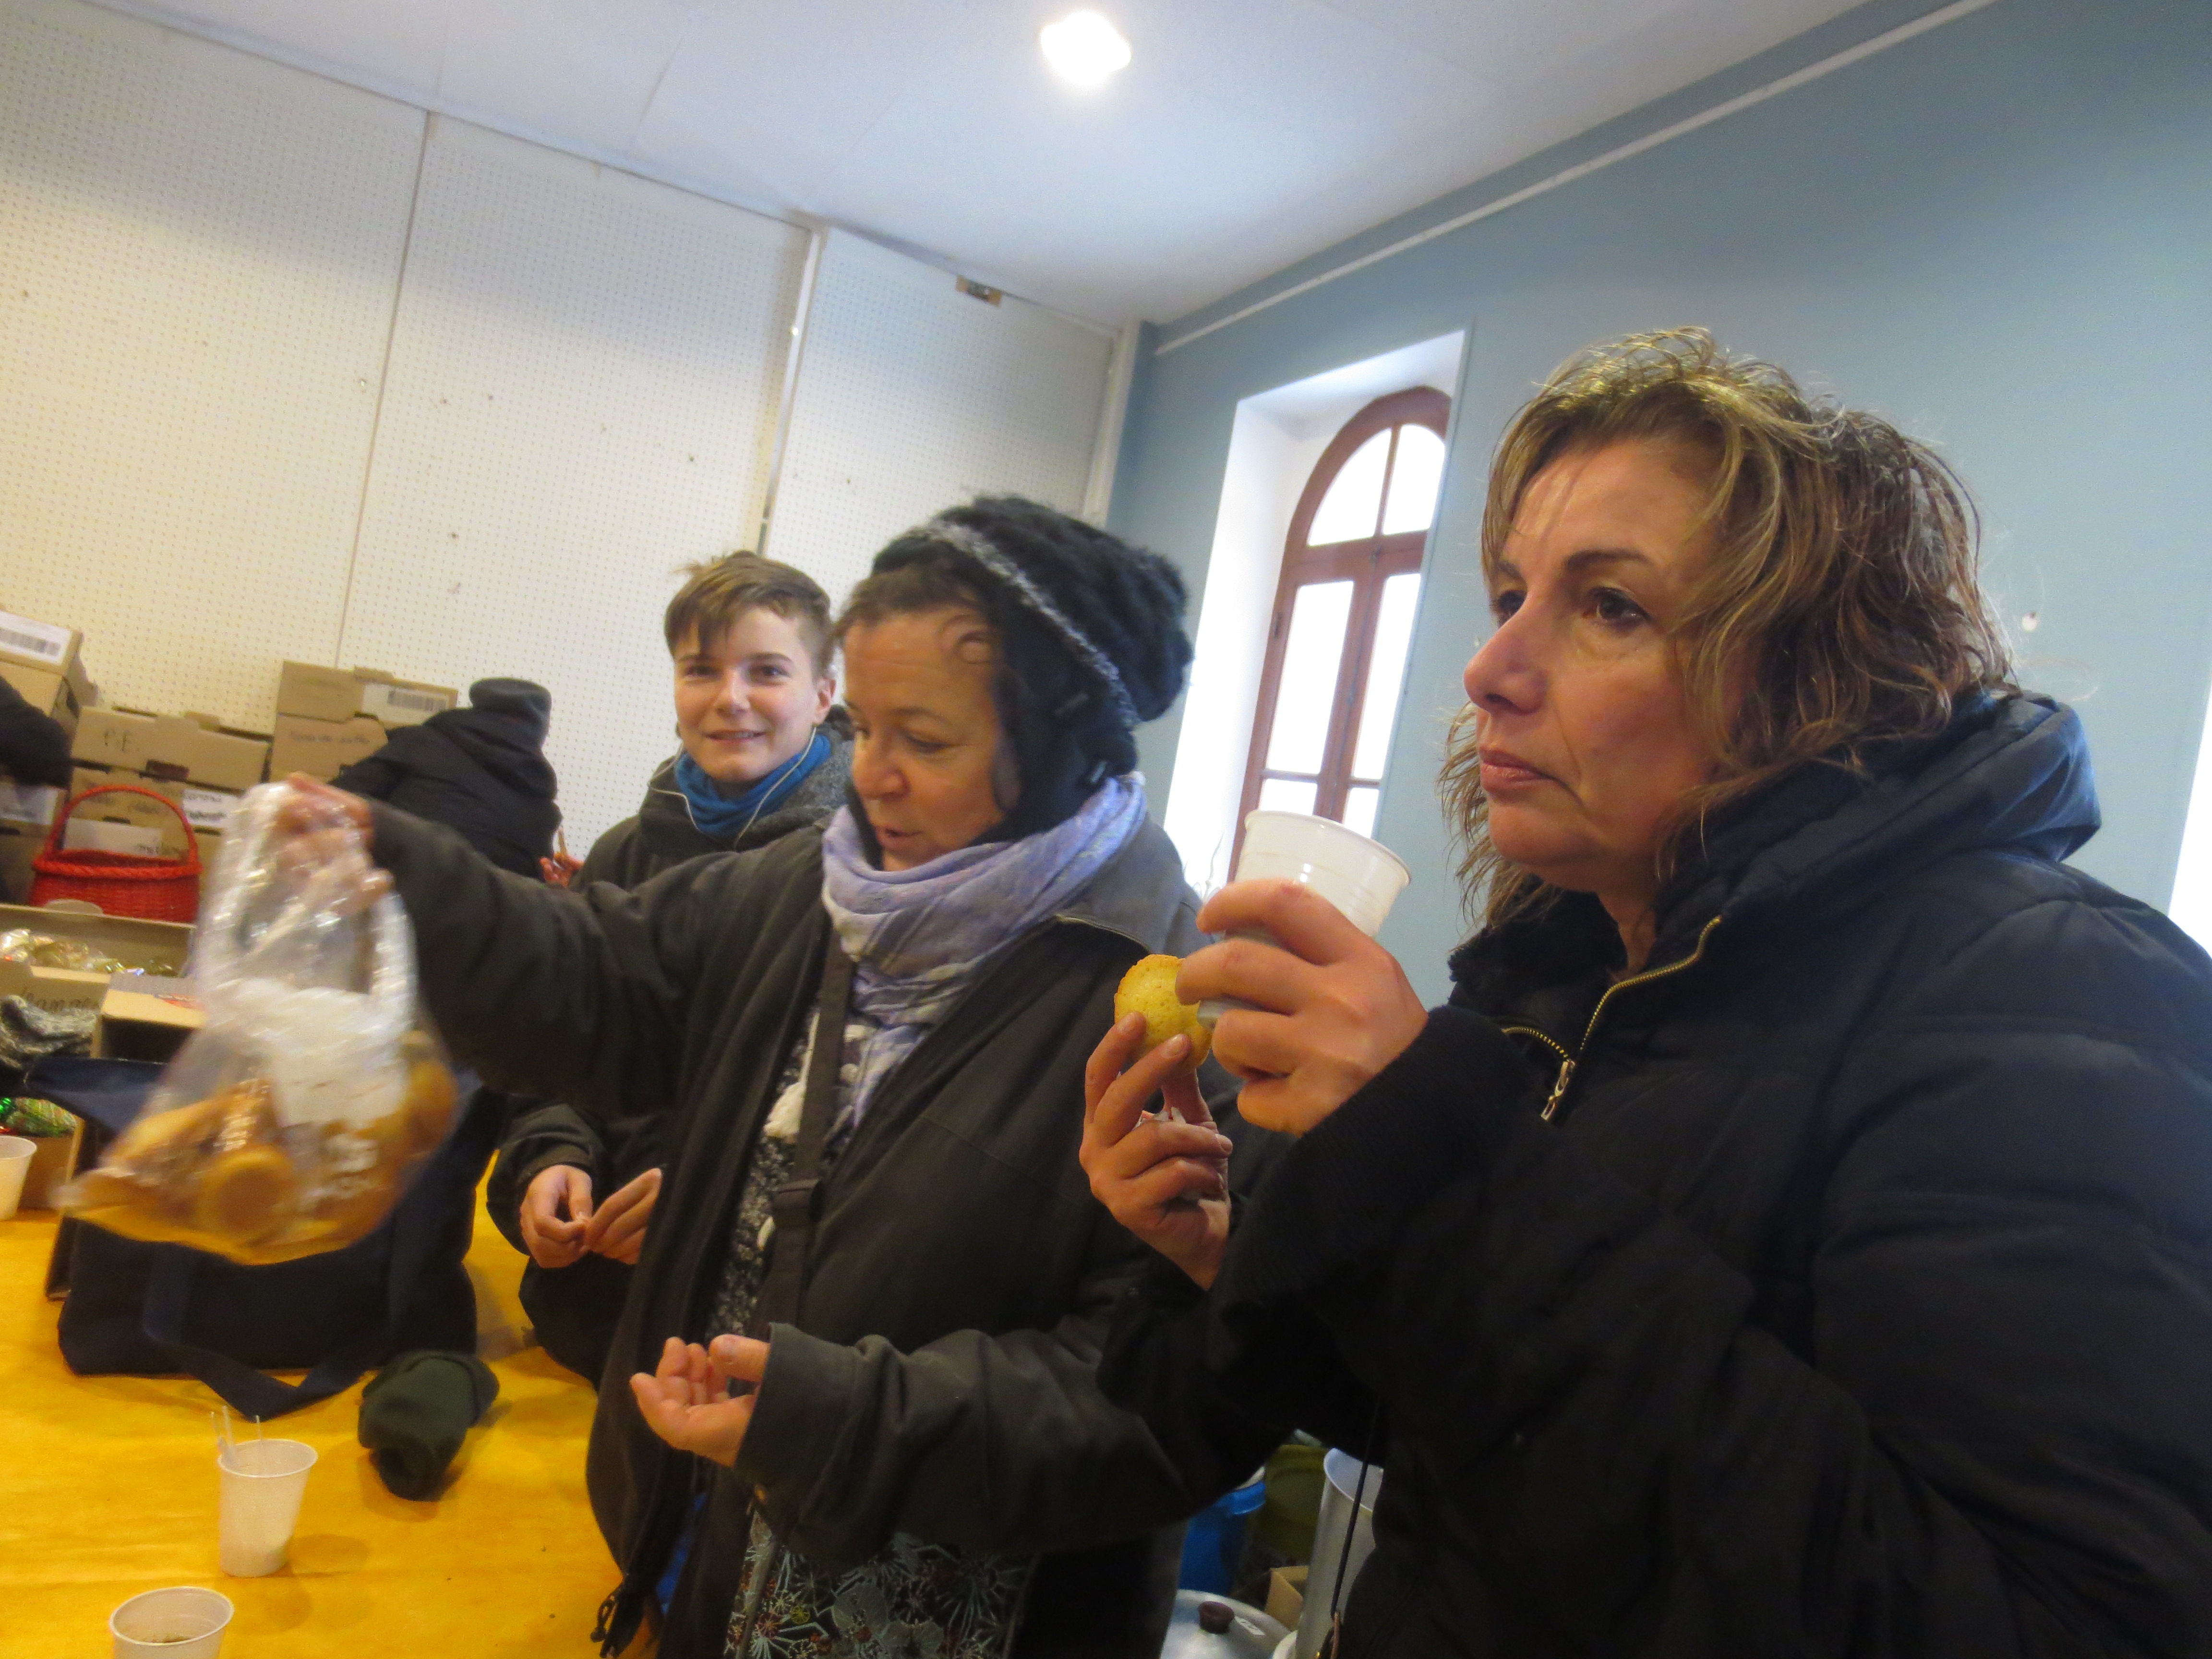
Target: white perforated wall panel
[
  {"x": 583, "y": 379},
  {"x": 912, "y": 397},
  {"x": 198, "y": 253}
]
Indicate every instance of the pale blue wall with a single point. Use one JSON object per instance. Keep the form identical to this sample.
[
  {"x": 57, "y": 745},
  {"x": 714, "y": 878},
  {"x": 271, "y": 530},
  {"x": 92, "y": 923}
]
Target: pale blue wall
[{"x": 1998, "y": 233}]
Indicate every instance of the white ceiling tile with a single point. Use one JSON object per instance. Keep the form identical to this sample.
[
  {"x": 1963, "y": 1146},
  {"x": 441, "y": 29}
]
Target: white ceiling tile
[
  {"x": 396, "y": 43},
  {"x": 1245, "y": 134},
  {"x": 773, "y": 95},
  {"x": 1302, "y": 63},
  {"x": 583, "y": 69}
]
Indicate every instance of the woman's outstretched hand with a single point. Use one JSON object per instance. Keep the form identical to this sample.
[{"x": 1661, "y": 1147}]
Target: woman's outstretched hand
[
  {"x": 687, "y": 1400},
  {"x": 1330, "y": 1009},
  {"x": 1165, "y": 1180}
]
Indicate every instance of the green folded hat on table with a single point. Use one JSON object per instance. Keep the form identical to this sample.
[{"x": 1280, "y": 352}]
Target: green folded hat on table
[{"x": 415, "y": 1413}]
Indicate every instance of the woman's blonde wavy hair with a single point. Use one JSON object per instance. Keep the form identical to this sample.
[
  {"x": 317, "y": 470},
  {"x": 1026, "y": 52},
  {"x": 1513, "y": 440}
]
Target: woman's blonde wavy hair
[{"x": 1840, "y": 608}]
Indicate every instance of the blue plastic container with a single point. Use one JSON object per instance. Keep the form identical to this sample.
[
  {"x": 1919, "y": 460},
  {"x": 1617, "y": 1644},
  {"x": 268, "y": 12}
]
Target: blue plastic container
[{"x": 1215, "y": 1538}]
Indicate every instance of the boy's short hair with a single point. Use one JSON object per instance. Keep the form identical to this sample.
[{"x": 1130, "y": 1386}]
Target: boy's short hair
[{"x": 720, "y": 590}]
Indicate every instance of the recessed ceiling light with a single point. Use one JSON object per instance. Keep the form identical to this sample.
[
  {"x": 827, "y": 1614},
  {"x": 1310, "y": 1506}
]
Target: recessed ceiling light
[{"x": 1084, "y": 48}]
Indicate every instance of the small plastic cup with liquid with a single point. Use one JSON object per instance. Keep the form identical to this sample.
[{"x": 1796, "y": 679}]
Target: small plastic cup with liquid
[
  {"x": 15, "y": 1153},
  {"x": 185, "y": 1623},
  {"x": 263, "y": 1482}
]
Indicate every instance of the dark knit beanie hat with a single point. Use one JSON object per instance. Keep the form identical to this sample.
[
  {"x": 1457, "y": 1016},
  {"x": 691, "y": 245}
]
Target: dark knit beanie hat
[
  {"x": 525, "y": 701},
  {"x": 1091, "y": 638}
]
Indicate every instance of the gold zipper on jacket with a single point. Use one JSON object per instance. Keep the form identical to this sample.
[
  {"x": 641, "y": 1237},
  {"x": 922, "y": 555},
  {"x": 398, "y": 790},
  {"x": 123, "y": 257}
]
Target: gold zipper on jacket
[{"x": 1568, "y": 1061}]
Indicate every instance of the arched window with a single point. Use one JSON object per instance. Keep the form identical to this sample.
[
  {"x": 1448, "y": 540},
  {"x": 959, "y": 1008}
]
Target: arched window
[{"x": 1344, "y": 613}]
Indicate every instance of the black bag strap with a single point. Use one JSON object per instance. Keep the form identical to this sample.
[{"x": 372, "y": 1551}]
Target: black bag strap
[
  {"x": 417, "y": 1231},
  {"x": 257, "y": 1394},
  {"x": 798, "y": 1199}
]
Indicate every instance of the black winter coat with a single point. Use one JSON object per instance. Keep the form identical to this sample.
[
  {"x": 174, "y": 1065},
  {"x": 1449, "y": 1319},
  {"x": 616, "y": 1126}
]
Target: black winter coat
[
  {"x": 34, "y": 746},
  {"x": 574, "y": 1309},
  {"x": 1852, "y": 1294},
  {"x": 940, "y": 1379},
  {"x": 479, "y": 773}
]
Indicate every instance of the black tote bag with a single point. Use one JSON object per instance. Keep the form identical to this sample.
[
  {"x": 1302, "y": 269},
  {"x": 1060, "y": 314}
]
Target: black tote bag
[{"x": 142, "y": 1309}]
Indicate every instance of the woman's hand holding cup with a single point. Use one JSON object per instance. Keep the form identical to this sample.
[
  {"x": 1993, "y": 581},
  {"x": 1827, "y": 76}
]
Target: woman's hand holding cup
[{"x": 1325, "y": 1006}]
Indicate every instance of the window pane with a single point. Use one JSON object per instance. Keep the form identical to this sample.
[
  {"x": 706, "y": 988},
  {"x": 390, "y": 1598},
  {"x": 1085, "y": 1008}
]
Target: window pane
[
  {"x": 1413, "y": 480},
  {"x": 1360, "y": 803},
  {"x": 1386, "y": 673},
  {"x": 1286, "y": 795},
  {"x": 1348, "y": 511},
  {"x": 1310, "y": 660}
]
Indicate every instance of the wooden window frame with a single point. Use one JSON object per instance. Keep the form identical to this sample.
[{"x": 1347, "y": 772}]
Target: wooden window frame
[{"x": 1368, "y": 562}]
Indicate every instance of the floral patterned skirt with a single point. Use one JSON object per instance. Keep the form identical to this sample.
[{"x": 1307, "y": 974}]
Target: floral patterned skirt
[{"x": 915, "y": 1600}]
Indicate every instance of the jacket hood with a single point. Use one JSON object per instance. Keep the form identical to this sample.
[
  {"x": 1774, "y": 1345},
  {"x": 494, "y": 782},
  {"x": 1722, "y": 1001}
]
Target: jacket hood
[
  {"x": 500, "y": 744},
  {"x": 2009, "y": 773},
  {"x": 1138, "y": 895}
]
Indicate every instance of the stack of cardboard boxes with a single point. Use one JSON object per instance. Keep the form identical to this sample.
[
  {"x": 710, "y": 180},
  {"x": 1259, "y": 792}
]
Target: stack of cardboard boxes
[
  {"x": 329, "y": 718},
  {"x": 326, "y": 720},
  {"x": 193, "y": 760}
]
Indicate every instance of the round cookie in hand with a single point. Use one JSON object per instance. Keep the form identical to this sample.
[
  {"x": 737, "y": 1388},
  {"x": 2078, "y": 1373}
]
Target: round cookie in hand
[{"x": 1149, "y": 988}]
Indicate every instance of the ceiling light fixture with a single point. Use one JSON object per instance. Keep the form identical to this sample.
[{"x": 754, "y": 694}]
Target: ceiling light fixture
[{"x": 1084, "y": 48}]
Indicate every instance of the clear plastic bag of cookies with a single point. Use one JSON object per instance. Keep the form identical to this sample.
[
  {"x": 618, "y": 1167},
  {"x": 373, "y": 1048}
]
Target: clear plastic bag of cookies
[{"x": 294, "y": 1121}]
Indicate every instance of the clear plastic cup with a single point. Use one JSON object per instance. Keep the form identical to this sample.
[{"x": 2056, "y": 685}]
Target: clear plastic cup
[
  {"x": 1361, "y": 877},
  {"x": 1358, "y": 875},
  {"x": 14, "y": 1163},
  {"x": 186, "y": 1623},
  {"x": 263, "y": 1482}
]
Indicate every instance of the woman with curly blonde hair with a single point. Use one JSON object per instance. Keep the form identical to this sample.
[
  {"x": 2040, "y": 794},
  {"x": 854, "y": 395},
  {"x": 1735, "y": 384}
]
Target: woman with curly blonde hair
[{"x": 1795, "y": 1233}]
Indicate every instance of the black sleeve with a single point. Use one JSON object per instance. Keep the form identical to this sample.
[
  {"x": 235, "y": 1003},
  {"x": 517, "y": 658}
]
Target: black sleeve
[
  {"x": 34, "y": 748},
  {"x": 1995, "y": 1443},
  {"x": 542, "y": 1134},
  {"x": 582, "y": 996}
]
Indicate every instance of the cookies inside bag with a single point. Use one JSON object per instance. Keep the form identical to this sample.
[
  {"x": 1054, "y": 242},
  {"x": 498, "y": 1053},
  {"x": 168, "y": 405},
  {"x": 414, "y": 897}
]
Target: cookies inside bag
[{"x": 295, "y": 1121}]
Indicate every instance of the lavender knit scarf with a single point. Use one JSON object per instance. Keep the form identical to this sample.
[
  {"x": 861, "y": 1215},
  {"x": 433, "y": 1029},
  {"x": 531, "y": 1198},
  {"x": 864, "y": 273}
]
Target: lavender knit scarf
[{"x": 918, "y": 937}]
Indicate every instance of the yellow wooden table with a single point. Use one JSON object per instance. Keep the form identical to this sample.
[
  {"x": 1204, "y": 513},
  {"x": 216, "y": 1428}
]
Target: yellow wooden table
[{"x": 108, "y": 1487}]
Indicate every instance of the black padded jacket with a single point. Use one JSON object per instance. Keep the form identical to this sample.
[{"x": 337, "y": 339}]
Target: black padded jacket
[
  {"x": 940, "y": 1377},
  {"x": 1841, "y": 1284}
]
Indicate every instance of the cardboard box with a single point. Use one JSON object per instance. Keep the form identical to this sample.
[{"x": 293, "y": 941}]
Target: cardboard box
[
  {"x": 30, "y": 804},
  {"x": 159, "y": 946},
  {"x": 116, "y": 737},
  {"x": 1286, "y": 1594},
  {"x": 145, "y": 1017},
  {"x": 317, "y": 693},
  {"x": 170, "y": 747},
  {"x": 322, "y": 748},
  {"x": 54, "y": 1160},
  {"x": 37, "y": 644},
  {"x": 195, "y": 749},
  {"x": 89, "y": 835},
  {"x": 52, "y": 694},
  {"x": 394, "y": 701}
]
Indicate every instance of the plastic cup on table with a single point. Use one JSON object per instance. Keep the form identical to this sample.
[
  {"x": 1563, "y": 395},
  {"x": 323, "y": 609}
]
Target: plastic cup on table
[
  {"x": 186, "y": 1623},
  {"x": 263, "y": 1482},
  {"x": 14, "y": 1163},
  {"x": 1358, "y": 875}
]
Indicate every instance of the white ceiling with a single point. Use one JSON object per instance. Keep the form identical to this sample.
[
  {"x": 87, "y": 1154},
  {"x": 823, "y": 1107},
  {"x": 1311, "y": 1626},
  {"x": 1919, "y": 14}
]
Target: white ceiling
[{"x": 1246, "y": 134}]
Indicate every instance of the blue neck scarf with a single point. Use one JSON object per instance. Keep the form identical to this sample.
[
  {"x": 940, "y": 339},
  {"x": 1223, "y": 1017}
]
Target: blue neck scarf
[{"x": 725, "y": 817}]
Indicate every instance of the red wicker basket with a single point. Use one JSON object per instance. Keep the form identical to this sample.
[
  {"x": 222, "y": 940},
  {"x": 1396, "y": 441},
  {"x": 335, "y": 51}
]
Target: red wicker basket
[{"x": 120, "y": 883}]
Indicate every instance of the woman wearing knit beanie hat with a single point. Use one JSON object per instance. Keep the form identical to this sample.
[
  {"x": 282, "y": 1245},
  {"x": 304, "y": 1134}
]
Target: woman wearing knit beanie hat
[
  {"x": 1090, "y": 631},
  {"x": 869, "y": 1040}
]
